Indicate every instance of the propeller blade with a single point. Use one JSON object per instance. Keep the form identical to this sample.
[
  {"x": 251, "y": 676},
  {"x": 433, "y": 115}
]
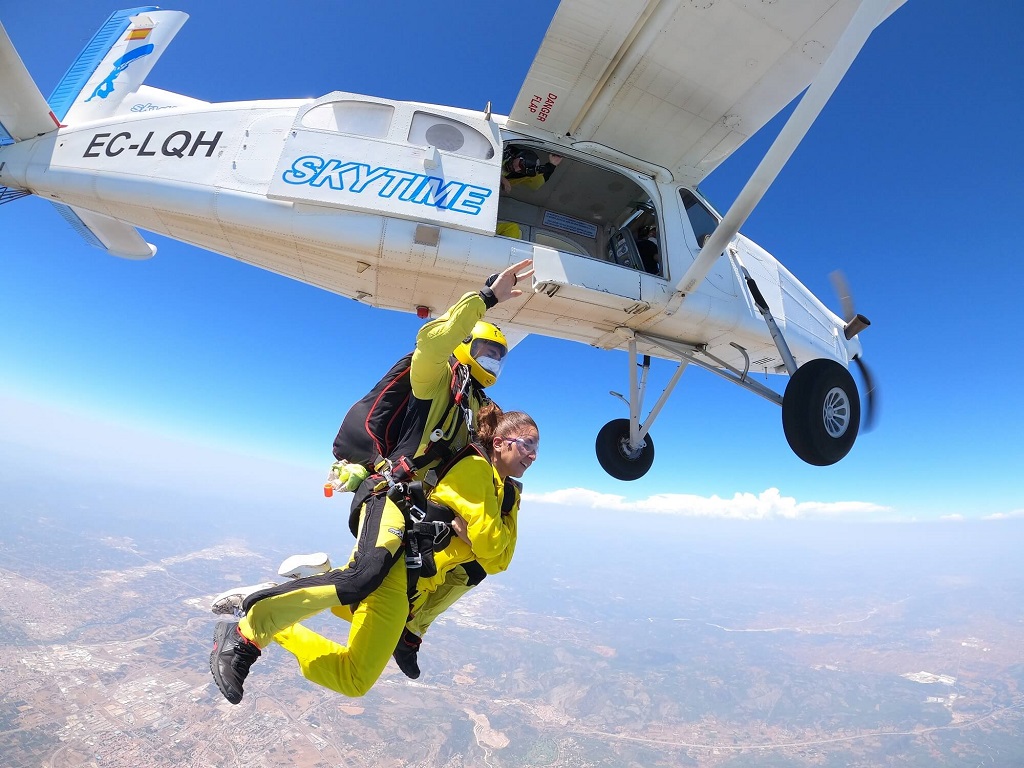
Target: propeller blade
[
  {"x": 842, "y": 289},
  {"x": 871, "y": 390},
  {"x": 855, "y": 323}
]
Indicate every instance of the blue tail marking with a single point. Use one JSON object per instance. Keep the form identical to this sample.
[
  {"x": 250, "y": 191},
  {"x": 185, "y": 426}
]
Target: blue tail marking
[
  {"x": 106, "y": 87},
  {"x": 78, "y": 75}
]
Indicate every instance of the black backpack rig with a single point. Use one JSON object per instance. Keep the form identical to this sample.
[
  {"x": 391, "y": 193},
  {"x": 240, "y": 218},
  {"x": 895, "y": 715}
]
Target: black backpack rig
[{"x": 382, "y": 432}]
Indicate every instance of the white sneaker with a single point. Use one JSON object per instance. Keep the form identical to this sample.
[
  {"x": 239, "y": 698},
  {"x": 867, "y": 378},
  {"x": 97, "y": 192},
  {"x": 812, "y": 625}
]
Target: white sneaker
[
  {"x": 229, "y": 602},
  {"x": 301, "y": 566}
]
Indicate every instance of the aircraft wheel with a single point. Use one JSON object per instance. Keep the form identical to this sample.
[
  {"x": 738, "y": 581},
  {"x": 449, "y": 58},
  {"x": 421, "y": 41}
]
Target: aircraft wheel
[
  {"x": 821, "y": 412},
  {"x": 614, "y": 456}
]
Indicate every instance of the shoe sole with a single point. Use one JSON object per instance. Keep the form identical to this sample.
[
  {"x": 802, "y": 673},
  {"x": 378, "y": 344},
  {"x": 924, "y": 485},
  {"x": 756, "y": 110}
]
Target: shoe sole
[
  {"x": 229, "y": 602},
  {"x": 301, "y": 566},
  {"x": 223, "y": 627}
]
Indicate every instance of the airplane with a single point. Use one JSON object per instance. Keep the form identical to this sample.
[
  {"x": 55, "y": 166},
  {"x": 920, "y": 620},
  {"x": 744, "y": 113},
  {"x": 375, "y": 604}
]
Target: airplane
[{"x": 406, "y": 206}]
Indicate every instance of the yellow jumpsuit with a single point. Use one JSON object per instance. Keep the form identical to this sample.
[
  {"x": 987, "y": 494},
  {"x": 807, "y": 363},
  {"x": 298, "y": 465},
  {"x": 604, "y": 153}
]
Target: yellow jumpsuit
[
  {"x": 374, "y": 581},
  {"x": 377, "y": 620},
  {"x": 430, "y": 374},
  {"x": 493, "y": 535},
  {"x": 473, "y": 491},
  {"x": 510, "y": 228},
  {"x": 431, "y": 379}
]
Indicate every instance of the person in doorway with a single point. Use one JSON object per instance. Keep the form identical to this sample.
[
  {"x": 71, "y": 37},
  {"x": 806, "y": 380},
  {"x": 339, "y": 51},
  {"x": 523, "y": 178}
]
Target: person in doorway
[{"x": 521, "y": 167}]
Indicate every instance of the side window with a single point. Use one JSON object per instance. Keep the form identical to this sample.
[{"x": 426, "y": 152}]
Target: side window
[
  {"x": 449, "y": 135},
  {"x": 701, "y": 219},
  {"x": 360, "y": 118}
]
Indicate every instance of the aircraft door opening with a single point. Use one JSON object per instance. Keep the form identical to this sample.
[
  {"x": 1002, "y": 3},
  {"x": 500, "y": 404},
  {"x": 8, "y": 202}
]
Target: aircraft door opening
[{"x": 588, "y": 220}]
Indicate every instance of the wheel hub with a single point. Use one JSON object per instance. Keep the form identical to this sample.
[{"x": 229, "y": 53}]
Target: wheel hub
[
  {"x": 631, "y": 453},
  {"x": 836, "y": 412}
]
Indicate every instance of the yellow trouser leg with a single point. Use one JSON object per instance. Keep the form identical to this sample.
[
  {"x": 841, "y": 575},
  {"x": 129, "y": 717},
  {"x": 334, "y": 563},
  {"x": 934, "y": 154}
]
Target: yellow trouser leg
[
  {"x": 273, "y": 614},
  {"x": 376, "y": 626},
  {"x": 427, "y": 606},
  {"x": 383, "y": 538}
]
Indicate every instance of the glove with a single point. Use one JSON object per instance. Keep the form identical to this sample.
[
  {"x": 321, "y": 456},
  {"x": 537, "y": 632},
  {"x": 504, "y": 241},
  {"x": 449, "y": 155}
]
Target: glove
[{"x": 344, "y": 476}]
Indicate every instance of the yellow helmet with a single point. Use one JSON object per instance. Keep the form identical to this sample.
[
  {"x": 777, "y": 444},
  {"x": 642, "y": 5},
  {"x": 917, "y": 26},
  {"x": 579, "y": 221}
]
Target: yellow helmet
[{"x": 484, "y": 352}]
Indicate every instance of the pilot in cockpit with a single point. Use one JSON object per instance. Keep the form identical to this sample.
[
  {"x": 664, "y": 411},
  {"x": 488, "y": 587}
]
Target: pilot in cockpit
[{"x": 647, "y": 247}]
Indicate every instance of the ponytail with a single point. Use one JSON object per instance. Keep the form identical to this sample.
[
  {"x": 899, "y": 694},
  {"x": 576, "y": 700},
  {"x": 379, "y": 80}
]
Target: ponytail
[
  {"x": 506, "y": 424},
  {"x": 487, "y": 420}
]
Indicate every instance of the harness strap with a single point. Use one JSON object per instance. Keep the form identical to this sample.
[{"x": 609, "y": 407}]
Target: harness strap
[
  {"x": 395, "y": 478},
  {"x": 423, "y": 536},
  {"x": 439, "y": 449},
  {"x": 510, "y": 495}
]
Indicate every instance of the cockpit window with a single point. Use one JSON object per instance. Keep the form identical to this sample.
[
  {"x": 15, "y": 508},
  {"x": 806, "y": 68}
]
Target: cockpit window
[{"x": 701, "y": 219}]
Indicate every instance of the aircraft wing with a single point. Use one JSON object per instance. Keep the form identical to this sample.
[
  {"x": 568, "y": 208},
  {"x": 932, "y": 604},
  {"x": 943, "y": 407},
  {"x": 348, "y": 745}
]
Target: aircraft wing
[{"x": 680, "y": 84}]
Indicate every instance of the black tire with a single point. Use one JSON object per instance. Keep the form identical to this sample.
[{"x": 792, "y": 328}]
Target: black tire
[
  {"x": 612, "y": 455},
  {"x": 821, "y": 412}
]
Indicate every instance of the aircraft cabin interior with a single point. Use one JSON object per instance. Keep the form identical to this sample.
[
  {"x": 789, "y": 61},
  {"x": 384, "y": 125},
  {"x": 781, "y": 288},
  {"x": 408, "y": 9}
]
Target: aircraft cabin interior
[{"x": 586, "y": 210}]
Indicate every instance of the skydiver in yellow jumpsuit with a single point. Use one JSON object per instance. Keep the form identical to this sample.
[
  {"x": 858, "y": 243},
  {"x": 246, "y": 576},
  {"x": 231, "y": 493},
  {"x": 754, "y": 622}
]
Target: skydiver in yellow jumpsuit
[
  {"x": 521, "y": 167},
  {"x": 512, "y": 451},
  {"x": 473, "y": 489},
  {"x": 374, "y": 580}
]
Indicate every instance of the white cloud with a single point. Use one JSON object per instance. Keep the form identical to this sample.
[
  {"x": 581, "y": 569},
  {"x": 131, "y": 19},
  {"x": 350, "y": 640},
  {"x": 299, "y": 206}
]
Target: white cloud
[
  {"x": 768, "y": 505},
  {"x": 1011, "y": 515}
]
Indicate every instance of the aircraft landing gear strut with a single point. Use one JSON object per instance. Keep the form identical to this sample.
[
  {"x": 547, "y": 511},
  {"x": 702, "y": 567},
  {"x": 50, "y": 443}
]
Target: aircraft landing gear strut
[
  {"x": 625, "y": 449},
  {"x": 821, "y": 405}
]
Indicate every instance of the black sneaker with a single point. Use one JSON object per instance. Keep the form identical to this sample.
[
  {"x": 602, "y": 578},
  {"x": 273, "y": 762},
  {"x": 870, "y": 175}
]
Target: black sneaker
[
  {"x": 405, "y": 654},
  {"x": 230, "y": 659}
]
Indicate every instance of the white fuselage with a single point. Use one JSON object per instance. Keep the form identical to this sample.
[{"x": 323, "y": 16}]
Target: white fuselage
[{"x": 357, "y": 195}]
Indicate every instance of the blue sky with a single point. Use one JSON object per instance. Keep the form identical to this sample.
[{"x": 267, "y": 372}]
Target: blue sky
[{"x": 193, "y": 348}]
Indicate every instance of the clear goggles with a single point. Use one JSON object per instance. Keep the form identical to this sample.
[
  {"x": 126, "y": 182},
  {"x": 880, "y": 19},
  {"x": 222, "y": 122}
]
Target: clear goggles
[{"x": 528, "y": 445}]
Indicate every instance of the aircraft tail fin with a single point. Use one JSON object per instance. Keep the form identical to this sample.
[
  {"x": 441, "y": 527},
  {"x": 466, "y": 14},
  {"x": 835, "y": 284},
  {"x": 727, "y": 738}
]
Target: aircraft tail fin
[
  {"x": 115, "y": 63},
  {"x": 24, "y": 113},
  {"x": 108, "y": 234}
]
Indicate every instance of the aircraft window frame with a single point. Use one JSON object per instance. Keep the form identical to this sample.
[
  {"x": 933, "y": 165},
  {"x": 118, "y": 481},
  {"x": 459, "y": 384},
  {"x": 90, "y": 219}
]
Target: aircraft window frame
[
  {"x": 699, "y": 232},
  {"x": 474, "y": 144},
  {"x": 371, "y": 119}
]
